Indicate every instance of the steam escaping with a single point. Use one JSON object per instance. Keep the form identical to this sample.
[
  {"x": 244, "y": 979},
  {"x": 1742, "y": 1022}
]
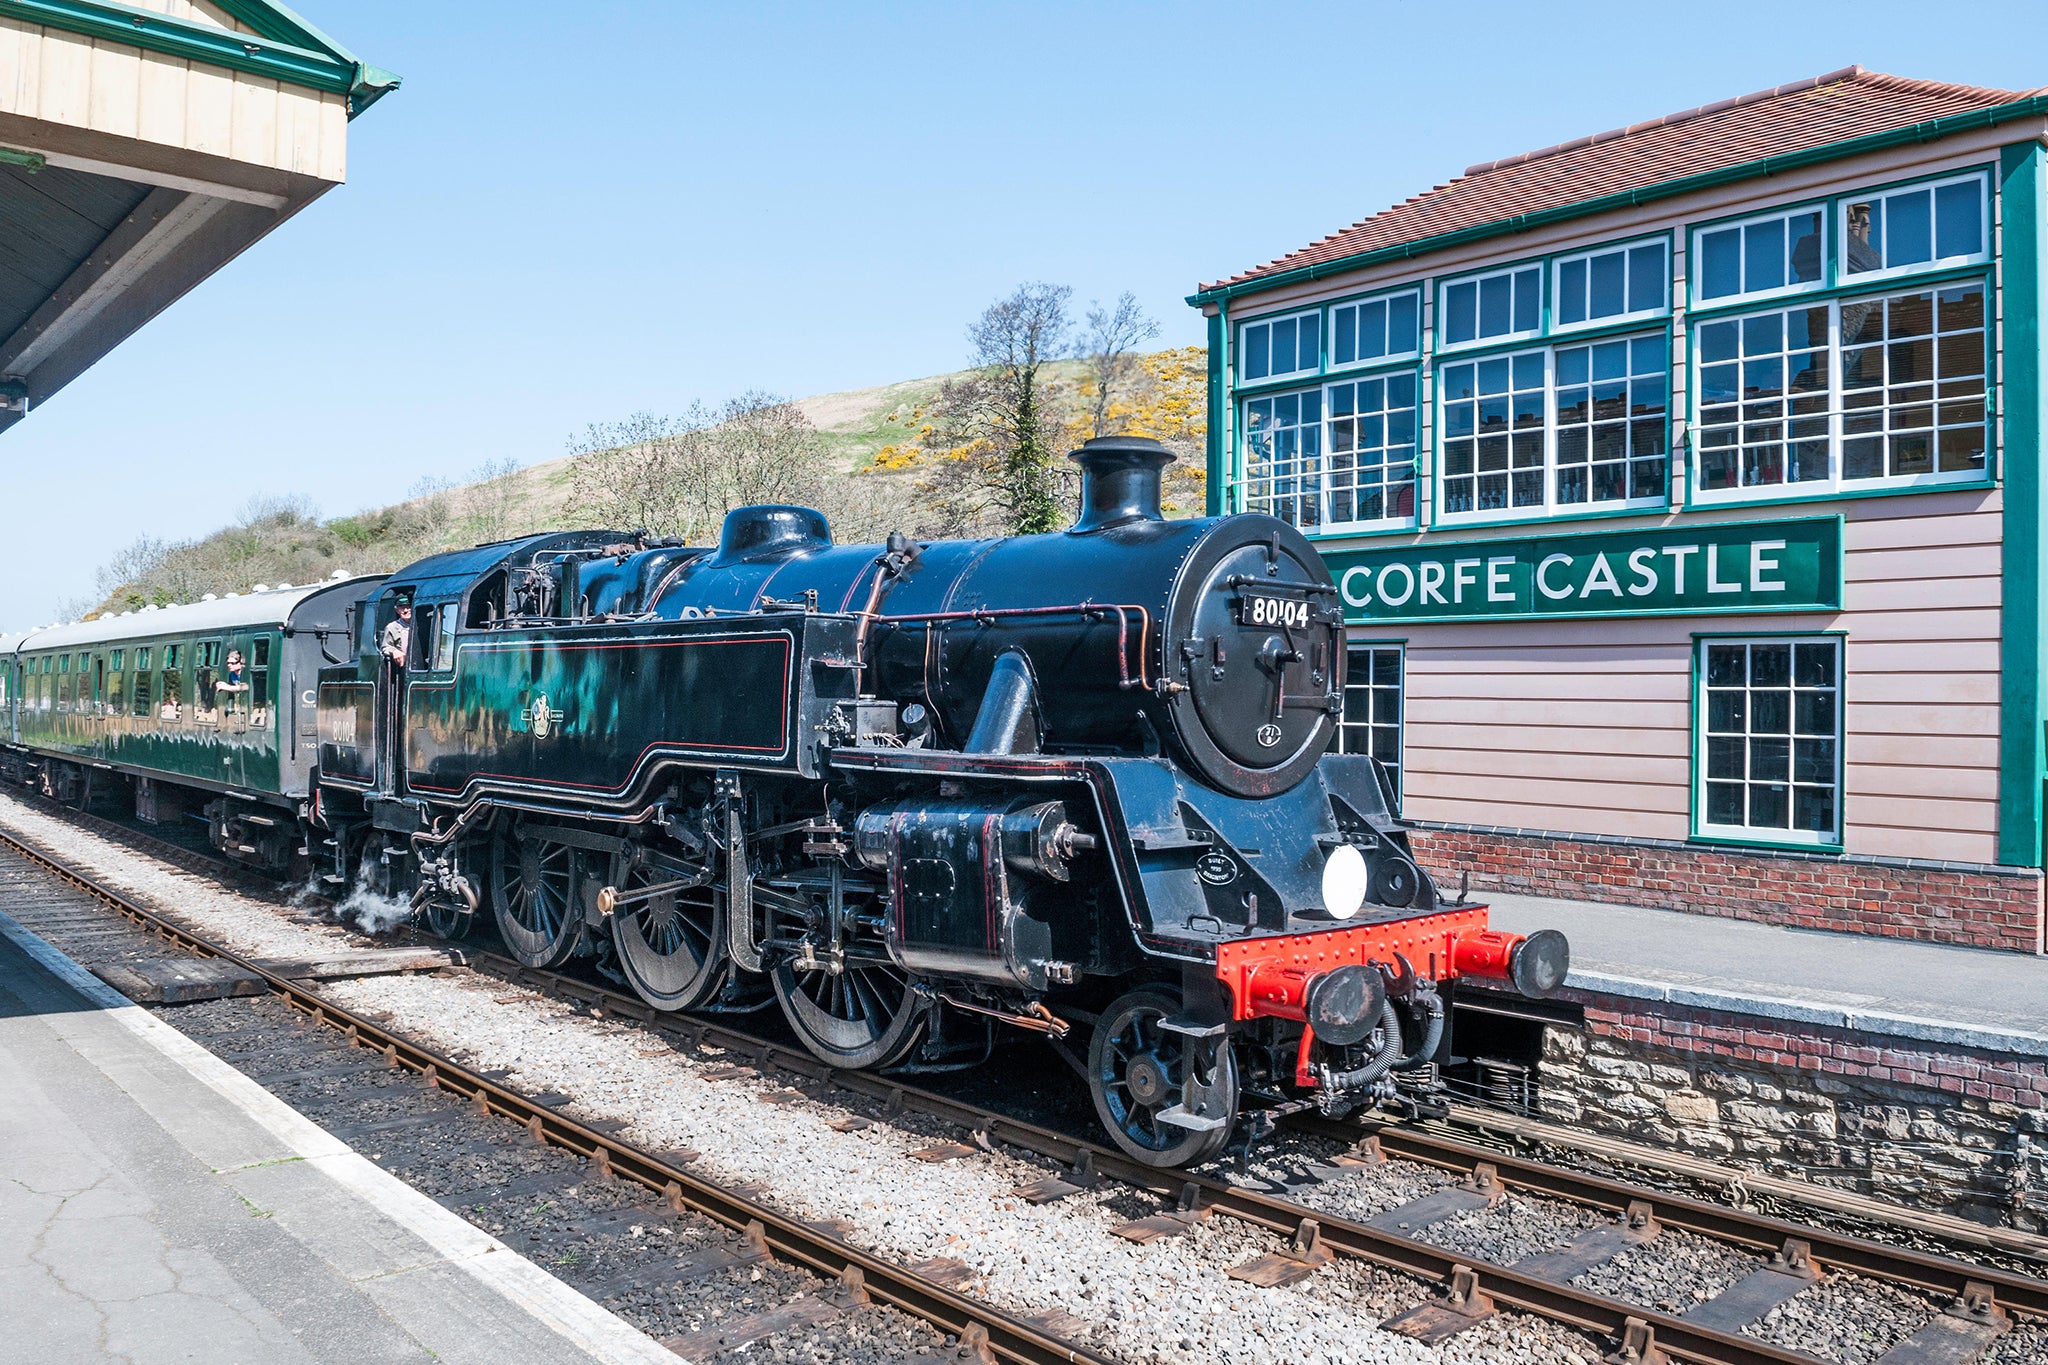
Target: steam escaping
[{"x": 369, "y": 909}]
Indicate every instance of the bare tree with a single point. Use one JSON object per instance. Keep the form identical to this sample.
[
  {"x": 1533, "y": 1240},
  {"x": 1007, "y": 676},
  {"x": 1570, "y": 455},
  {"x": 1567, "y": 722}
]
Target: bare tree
[
  {"x": 1109, "y": 345},
  {"x": 680, "y": 476},
  {"x": 489, "y": 501},
  {"x": 995, "y": 425}
]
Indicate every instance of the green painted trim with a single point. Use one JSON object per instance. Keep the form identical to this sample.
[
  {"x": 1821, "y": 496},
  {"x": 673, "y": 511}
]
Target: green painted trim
[
  {"x": 1716, "y": 841},
  {"x": 1336, "y": 538},
  {"x": 300, "y": 56},
  {"x": 1459, "y": 523},
  {"x": 1978, "y": 485},
  {"x": 1315, "y": 311},
  {"x": 1749, "y": 170},
  {"x": 1696, "y": 721},
  {"x": 28, "y": 161},
  {"x": 2023, "y": 196},
  {"x": 1807, "y": 298},
  {"x": 1219, "y": 399}
]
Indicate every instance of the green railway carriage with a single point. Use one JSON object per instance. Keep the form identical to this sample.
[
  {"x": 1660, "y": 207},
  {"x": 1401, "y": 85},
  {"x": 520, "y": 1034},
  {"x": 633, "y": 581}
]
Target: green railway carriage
[{"x": 207, "y": 707}]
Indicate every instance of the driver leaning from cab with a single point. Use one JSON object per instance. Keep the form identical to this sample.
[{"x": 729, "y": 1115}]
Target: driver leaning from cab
[{"x": 398, "y": 635}]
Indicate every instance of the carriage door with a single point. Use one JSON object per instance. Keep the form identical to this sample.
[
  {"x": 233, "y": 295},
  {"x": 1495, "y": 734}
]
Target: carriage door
[{"x": 99, "y": 708}]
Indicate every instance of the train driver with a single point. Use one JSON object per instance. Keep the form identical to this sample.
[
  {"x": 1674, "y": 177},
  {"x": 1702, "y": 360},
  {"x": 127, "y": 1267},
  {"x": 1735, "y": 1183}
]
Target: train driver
[{"x": 398, "y": 635}]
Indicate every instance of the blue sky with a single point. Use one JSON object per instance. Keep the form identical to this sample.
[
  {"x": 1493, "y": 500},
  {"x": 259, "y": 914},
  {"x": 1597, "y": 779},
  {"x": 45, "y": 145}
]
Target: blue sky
[{"x": 576, "y": 210}]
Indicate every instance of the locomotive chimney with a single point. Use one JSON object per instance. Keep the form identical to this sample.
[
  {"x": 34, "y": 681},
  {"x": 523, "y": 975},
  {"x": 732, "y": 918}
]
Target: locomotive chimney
[{"x": 1119, "y": 481}]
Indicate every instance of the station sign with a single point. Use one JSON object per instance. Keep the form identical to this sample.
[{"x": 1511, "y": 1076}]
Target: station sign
[{"x": 1741, "y": 566}]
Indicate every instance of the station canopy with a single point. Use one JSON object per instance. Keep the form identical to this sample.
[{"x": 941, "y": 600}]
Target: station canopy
[{"x": 142, "y": 148}]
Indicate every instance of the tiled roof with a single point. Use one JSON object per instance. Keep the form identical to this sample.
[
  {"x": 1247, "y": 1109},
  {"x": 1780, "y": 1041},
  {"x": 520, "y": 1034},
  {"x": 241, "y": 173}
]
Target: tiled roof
[{"x": 1841, "y": 105}]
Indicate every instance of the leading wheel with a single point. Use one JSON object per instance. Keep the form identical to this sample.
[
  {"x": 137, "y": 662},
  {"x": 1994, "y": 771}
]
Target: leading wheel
[
  {"x": 532, "y": 895},
  {"x": 671, "y": 946},
  {"x": 1137, "y": 1071}
]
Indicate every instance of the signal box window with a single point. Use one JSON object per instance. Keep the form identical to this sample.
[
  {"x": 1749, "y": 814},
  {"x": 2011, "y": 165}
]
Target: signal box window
[
  {"x": 1603, "y": 286},
  {"x": 1276, "y": 348},
  {"x": 1769, "y": 761},
  {"x": 1775, "y": 254},
  {"x": 1914, "y": 228},
  {"x": 1496, "y": 307},
  {"x": 1375, "y": 329},
  {"x": 1371, "y": 723}
]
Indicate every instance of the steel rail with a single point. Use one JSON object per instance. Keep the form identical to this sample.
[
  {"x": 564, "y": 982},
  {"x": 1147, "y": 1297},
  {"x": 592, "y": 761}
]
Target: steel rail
[
  {"x": 1926, "y": 1272},
  {"x": 1009, "y": 1338},
  {"x": 1939, "y": 1275},
  {"x": 1561, "y": 1303}
]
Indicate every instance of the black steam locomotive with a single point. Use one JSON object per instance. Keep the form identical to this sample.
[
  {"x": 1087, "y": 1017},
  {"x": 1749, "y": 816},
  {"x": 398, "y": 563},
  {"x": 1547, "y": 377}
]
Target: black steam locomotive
[{"x": 922, "y": 792}]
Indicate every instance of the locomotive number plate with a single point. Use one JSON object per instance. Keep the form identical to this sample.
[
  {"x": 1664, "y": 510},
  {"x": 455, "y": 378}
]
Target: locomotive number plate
[{"x": 1262, "y": 609}]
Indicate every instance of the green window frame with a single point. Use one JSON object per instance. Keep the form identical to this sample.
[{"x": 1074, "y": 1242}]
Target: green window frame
[
  {"x": 1768, "y": 740},
  {"x": 1375, "y": 697}
]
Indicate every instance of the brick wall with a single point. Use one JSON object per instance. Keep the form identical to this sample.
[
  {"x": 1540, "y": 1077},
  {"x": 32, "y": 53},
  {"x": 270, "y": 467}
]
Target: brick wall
[
  {"x": 1936, "y": 1126},
  {"x": 1988, "y": 907}
]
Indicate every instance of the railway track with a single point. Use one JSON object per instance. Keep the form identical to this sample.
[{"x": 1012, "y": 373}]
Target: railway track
[
  {"x": 468, "y": 1113},
  {"x": 1968, "y": 1307}
]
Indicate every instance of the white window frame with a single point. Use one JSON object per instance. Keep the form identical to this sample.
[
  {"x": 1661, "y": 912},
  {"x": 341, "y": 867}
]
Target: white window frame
[
  {"x": 1357, "y": 375},
  {"x": 1550, "y": 509},
  {"x": 1335, "y": 366},
  {"x": 1834, "y": 484},
  {"x": 1764, "y": 834},
  {"x": 1314, "y": 315},
  {"x": 1557, "y": 265},
  {"x": 1859, "y": 278},
  {"x": 1478, "y": 280},
  {"x": 1240, "y": 489},
  {"x": 1695, "y": 261}
]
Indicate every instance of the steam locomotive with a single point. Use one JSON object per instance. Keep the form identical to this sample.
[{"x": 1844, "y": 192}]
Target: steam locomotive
[{"x": 917, "y": 793}]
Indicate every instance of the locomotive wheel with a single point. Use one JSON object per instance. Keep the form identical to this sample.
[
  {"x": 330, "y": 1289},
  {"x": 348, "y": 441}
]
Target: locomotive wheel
[
  {"x": 866, "y": 1015},
  {"x": 1135, "y": 1072},
  {"x": 532, "y": 895},
  {"x": 447, "y": 920},
  {"x": 672, "y": 947}
]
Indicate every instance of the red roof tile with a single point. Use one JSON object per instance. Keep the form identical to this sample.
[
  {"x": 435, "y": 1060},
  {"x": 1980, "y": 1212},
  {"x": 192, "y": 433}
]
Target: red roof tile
[{"x": 1841, "y": 105}]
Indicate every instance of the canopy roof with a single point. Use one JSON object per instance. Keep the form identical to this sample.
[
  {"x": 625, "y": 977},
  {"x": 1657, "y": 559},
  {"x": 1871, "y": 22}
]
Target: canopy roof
[{"x": 142, "y": 147}]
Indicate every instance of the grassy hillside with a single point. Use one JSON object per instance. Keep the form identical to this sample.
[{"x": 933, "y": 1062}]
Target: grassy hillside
[{"x": 284, "y": 541}]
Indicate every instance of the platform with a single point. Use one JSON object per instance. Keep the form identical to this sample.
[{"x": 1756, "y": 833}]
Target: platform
[
  {"x": 156, "y": 1205},
  {"x": 1928, "y": 992}
]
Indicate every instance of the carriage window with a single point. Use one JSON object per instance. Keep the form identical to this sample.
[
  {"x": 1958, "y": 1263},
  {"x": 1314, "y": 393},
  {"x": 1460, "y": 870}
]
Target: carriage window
[
  {"x": 1372, "y": 707},
  {"x": 259, "y": 673},
  {"x": 171, "y": 700},
  {"x": 205, "y": 672},
  {"x": 142, "y": 657},
  {"x": 114, "y": 691},
  {"x": 139, "y": 699}
]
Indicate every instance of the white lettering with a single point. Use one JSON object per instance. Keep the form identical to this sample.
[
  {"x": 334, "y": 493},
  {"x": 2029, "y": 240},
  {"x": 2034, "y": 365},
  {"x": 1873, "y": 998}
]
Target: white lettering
[
  {"x": 1432, "y": 583},
  {"x": 1761, "y": 563},
  {"x": 1543, "y": 578},
  {"x": 1497, "y": 580},
  {"x": 1678, "y": 555},
  {"x": 1464, "y": 574},
  {"x": 1602, "y": 577},
  {"x": 1714, "y": 583},
  {"x": 1362, "y": 598},
  {"x": 1645, "y": 575},
  {"x": 1387, "y": 598}
]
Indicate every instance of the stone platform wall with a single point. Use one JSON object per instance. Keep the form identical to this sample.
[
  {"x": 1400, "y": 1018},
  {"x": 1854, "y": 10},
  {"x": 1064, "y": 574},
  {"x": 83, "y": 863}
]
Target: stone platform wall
[{"x": 1928, "y": 1125}]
